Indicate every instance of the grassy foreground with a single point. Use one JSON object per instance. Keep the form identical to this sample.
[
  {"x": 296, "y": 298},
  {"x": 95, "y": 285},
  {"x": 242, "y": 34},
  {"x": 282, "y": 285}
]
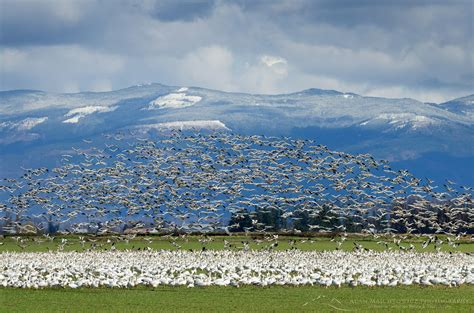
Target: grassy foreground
[
  {"x": 236, "y": 242},
  {"x": 229, "y": 299},
  {"x": 244, "y": 299}
]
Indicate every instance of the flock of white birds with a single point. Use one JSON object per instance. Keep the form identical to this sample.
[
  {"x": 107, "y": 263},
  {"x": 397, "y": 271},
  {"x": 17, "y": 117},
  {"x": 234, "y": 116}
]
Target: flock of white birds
[
  {"x": 125, "y": 269},
  {"x": 188, "y": 182},
  {"x": 224, "y": 183}
]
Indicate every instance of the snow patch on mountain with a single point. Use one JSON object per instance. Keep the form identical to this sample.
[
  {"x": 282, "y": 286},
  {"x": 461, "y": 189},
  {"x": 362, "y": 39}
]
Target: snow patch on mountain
[
  {"x": 15, "y": 102},
  {"x": 76, "y": 114},
  {"x": 25, "y": 124},
  {"x": 402, "y": 120},
  {"x": 463, "y": 106},
  {"x": 185, "y": 125},
  {"x": 174, "y": 100}
]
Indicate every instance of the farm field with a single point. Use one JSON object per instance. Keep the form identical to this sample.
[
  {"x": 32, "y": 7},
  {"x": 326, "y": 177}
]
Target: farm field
[
  {"x": 246, "y": 298},
  {"x": 236, "y": 242},
  {"x": 243, "y": 299}
]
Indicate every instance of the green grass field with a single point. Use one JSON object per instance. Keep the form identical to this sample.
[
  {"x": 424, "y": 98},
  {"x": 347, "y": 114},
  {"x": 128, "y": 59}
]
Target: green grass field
[
  {"x": 229, "y": 299},
  {"x": 244, "y": 299},
  {"x": 37, "y": 244}
]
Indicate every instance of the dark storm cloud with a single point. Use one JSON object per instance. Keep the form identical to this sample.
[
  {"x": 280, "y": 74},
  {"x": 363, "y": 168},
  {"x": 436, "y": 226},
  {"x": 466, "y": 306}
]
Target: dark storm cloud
[
  {"x": 421, "y": 49},
  {"x": 24, "y": 22},
  {"x": 186, "y": 10}
]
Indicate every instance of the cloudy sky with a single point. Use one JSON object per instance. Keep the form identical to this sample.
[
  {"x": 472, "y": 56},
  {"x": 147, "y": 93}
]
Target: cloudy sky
[{"x": 412, "y": 48}]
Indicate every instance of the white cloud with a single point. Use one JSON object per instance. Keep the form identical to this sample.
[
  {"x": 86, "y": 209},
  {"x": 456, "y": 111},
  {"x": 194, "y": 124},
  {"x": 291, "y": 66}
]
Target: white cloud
[
  {"x": 64, "y": 68},
  {"x": 277, "y": 64},
  {"x": 272, "y": 60},
  {"x": 207, "y": 66},
  {"x": 103, "y": 84},
  {"x": 283, "y": 47}
]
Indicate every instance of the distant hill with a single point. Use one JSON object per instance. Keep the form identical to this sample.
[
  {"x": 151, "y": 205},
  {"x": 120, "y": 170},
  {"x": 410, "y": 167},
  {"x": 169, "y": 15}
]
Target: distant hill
[{"x": 433, "y": 140}]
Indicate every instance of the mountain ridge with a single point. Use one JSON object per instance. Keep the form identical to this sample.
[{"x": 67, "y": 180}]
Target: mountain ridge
[
  {"x": 308, "y": 90},
  {"x": 399, "y": 129}
]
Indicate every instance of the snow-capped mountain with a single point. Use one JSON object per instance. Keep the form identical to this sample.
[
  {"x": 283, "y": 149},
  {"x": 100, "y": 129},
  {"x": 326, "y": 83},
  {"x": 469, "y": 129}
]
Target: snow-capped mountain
[
  {"x": 462, "y": 106},
  {"x": 435, "y": 140}
]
